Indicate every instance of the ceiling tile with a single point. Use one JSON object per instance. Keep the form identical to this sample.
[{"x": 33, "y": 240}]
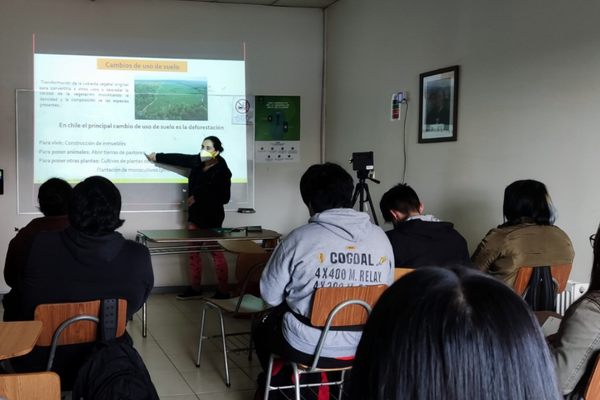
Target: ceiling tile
[
  {"x": 304, "y": 3},
  {"x": 259, "y": 2},
  {"x": 277, "y": 3}
]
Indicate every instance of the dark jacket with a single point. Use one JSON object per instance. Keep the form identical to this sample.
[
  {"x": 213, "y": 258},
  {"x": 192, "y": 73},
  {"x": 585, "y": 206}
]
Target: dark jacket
[
  {"x": 17, "y": 255},
  {"x": 425, "y": 243},
  {"x": 70, "y": 266},
  {"x": 211, "y": 188}
]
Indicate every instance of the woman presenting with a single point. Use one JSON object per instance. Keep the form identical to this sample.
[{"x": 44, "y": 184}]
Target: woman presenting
[{"x": 209, "y": 188}]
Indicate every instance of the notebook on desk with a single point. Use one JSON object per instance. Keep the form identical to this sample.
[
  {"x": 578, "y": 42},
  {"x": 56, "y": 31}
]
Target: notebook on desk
[{"x": 550, "y": 326}]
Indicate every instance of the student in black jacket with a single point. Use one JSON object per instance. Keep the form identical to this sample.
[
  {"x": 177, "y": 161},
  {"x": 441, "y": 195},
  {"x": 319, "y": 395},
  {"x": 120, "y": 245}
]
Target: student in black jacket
[
  {"x": 420, "y": 240},
  {"x": 209, "y": 188},
  {"x": 87, "y": 261},
  {"x": 54, "y": 197}
]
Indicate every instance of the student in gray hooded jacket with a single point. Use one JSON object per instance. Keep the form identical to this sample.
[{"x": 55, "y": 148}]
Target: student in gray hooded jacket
[{"x": 338, "y": 247}]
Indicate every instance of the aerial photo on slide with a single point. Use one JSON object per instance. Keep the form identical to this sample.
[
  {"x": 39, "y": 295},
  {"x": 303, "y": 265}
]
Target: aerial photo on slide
[{"x": 161, "y": 99}]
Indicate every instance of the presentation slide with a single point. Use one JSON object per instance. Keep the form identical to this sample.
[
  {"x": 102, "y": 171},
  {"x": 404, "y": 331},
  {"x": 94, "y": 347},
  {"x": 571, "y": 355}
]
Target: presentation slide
[{"x": 98, "y": 115}]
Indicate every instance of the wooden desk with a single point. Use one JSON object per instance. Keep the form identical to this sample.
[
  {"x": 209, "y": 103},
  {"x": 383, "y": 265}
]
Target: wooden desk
[
  {"x": 542, "y": 316},
  {"x": 181, "y": 241},
  {"x": 241, "y": 246},
  {"x": 18, "y": 338}
]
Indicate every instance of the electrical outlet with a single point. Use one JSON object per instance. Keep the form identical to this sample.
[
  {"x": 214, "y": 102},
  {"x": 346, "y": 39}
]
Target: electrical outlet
[{"x": 395, "y": 107}]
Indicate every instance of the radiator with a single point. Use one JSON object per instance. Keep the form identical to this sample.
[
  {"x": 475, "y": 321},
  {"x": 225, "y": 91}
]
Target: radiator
[{"x": 573, "y": 291}]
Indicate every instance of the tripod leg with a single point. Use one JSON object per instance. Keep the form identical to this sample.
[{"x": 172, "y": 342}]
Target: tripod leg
[
  {"x": 355, "y": 195},
  {"x": 371, "y": 204},
  {"x": 363, "y": 187}
]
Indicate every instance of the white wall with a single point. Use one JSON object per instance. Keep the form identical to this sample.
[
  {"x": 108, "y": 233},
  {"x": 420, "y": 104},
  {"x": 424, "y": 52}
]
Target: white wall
[
  {"x": 528, "y": 104},
  {"x": 284, "y": 57}
]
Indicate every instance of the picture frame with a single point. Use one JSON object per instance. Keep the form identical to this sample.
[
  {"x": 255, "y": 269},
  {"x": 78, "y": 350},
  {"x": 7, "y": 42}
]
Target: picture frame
[{"x": 438, "y": 105}]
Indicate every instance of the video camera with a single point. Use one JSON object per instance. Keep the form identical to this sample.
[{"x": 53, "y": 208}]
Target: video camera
[
  {"x": 364, "y": 166},
  {"x": 362, "y": 161}
]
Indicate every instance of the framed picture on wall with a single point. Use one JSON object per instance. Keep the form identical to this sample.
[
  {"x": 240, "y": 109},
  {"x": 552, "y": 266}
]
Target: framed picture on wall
[{"x": 438, "y": 105}]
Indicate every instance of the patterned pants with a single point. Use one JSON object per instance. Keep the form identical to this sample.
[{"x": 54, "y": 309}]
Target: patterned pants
[{"x": 221, "y": 269}]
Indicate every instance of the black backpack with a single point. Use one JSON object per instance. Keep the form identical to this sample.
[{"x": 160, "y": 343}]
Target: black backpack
[
  {"x": 541, "y": 294},
  {"x": 114, "y": 370}
]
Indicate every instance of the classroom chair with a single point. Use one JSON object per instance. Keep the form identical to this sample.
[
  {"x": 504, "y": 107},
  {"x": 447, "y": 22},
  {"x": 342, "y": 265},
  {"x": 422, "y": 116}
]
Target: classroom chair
[
  {"x": 35, "y": 385},
  {"x": 560, "y": 276},
  {"x": 592, "y": 391},
  {"x": 332, "y": 307},
  {"x": 400, "y": 272},
  {"x": 249, "y": 268},
  {"x": 72, "y": 323}
]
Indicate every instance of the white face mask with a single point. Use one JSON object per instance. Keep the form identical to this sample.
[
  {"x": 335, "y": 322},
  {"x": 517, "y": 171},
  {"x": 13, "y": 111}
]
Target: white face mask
[{"x": 206, "y": 156}]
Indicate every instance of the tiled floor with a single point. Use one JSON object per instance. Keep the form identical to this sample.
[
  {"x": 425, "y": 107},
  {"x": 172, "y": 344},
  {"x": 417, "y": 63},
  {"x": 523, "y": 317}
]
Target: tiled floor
[
  {"x": 169, "y": 352},
  {"x": 170, "y": 349}
]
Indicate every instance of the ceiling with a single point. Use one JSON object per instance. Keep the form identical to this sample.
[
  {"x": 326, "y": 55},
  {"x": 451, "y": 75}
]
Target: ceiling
[{"x": 278, "y": 3}]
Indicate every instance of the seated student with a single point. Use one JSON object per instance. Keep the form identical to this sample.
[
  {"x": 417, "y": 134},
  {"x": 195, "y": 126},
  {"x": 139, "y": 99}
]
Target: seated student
[
  {"x": 54, "y": 197},
  {"x": 87, "y": 261},
  {"x": 528, "y": 238},
  {"x": 420, "y": 239},
  {"x": 576, "y": 346},
  {"x": 297, "y": 267},
  {"x": 450, "y": 334}
]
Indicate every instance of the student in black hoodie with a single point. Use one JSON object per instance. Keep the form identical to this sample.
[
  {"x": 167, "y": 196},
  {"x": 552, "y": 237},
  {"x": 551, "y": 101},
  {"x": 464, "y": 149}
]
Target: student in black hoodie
[
  {"x": 54, "y": 197},
  {"x": 209, "y": 188},
  {"x": 420, "y": 240},
  {"x": 87, "y": 261}
]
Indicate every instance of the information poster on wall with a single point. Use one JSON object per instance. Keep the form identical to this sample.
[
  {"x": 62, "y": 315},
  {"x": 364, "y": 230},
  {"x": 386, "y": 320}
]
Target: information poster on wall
[{"x": 277, "y": 129}]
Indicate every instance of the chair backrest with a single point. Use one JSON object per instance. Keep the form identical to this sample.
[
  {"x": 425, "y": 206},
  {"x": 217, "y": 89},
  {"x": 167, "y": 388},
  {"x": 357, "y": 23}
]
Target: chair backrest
[
  {"x": 592, "y": 392},
  {"x": 400, "y": 272},
  {"x": 36, "y": 385},
  {"x": 246, "y": 262},
  {"x": 53, "y": 315},
  {"x": 559, "y": 272},
  {"x": 241, "y": 246},
  {"x": 326, "y": 299}
]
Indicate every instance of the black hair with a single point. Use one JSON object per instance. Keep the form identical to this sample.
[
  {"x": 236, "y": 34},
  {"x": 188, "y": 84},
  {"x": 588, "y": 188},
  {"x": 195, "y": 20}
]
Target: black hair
[
  {"x": 326, "y": 186},
  {"x": 216, "y": 143},
  {"x": 95, "y": 207},
  {"x": 595, "y": 279},
  {"x": 401, "y": 198},
  {"x": 527, "y": 201},
  {"x": 452, "y": 334},
  {"x": 54, "y": 197}
]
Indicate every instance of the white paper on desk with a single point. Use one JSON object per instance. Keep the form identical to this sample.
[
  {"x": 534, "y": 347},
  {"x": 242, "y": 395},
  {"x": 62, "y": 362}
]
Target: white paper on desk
[{"x": 551, "y": 325}]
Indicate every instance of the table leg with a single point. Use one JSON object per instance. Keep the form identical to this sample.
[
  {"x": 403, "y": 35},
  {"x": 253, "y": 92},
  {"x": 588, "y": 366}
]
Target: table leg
[
  {"x": 145, "y": 320},
  {"x": 270, "y": 244}
]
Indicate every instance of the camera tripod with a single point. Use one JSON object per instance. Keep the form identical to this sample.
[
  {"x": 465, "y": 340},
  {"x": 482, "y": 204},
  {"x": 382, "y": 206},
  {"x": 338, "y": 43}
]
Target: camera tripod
[{"x": 360, "y": 190}]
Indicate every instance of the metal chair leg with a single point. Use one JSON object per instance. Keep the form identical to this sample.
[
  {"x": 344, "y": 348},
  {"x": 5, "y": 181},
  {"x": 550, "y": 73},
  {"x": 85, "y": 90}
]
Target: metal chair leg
[
  {"x": 201, "y": 337},
  {"x": 296, "y": 381},
  {"x": 251, "y": 341},
  {"x": 269, "y": 372},
  {"x": 145, "y": 320},
  {"x": 342, "y": 384},
  {"x": 228, "y": 382}
]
